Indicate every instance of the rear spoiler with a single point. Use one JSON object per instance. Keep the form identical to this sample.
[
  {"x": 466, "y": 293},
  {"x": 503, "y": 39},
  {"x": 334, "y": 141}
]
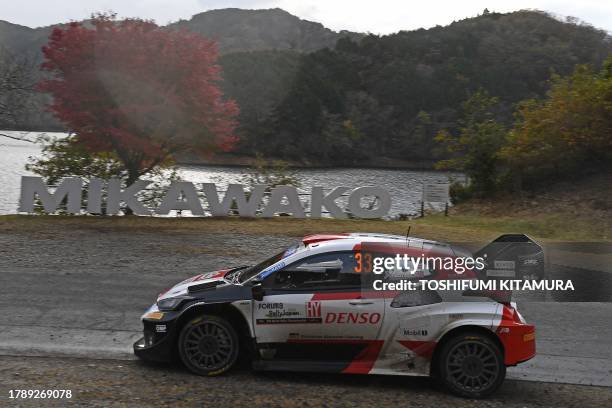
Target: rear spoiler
[
  {"x": 512, "y": 256},
  {"x": 509, "y": 256}
]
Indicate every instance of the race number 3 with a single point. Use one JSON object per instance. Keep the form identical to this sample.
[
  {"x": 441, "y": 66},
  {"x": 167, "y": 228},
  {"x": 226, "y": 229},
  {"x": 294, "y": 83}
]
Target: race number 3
[{"x": 363, "y": 262}]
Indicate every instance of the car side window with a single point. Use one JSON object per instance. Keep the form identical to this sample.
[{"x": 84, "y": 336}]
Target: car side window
[
  {"x": 334, "y": 270},
  {"x": 418, "y": 297}
]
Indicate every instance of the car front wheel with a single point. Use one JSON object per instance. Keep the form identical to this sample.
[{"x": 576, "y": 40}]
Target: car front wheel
[
  {"x": 208, "y": 345},
  {"x": 471, "y": 365}
]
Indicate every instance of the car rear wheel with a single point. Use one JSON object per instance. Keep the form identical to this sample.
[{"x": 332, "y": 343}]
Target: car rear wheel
[
  {"x": 208, "y": 345},
  {"x": 471, "y": 365}
]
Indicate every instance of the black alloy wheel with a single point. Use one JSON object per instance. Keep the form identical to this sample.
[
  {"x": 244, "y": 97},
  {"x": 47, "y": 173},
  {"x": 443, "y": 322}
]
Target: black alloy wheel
[
  {"x": 472, "y": 365},
  {"x": 208, "y": 345}
]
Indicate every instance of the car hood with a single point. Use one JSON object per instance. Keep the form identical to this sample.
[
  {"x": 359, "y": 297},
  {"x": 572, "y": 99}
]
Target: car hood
[{"x": 181, "y": 288}]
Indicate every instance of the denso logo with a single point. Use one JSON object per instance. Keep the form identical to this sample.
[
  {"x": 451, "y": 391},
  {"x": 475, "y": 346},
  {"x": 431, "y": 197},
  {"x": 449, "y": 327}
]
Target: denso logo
[{"x": 356, "y": 318}]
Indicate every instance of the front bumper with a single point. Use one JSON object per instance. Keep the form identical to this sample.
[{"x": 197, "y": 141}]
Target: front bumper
[
  {"x": 159, "y": 352},
  {"x": 158, "y": 342}
]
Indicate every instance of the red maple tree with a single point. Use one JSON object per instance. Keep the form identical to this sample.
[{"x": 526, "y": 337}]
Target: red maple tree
[{"x": 137, "y": 90}]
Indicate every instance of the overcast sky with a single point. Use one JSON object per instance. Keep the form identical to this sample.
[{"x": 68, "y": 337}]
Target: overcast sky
[{"x": 376, "y": 16}]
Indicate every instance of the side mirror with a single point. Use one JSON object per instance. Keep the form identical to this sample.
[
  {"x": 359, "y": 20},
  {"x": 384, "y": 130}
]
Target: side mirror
[{"x": 258, "y": 291}]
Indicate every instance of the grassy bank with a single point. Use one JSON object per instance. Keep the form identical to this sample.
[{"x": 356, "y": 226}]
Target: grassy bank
[{"x": 453, "y": 228}]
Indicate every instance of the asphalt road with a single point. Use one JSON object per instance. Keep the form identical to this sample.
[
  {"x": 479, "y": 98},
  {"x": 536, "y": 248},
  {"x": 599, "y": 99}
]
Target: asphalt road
[
  {"x": 80, "y": 293},
  {"x": 132, "y": 383}
]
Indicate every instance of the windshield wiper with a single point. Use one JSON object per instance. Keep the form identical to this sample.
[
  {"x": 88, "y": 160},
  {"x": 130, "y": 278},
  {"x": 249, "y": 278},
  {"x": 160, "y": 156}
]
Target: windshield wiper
[{"x": 235, "y": 273}]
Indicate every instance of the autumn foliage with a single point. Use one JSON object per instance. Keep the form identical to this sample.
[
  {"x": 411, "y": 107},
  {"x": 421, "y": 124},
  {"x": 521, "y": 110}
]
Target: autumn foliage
[
  {"x": 567, "y": 131},
  {"x": 138, "y": 91},
  {"x": 565, "y": 134}
]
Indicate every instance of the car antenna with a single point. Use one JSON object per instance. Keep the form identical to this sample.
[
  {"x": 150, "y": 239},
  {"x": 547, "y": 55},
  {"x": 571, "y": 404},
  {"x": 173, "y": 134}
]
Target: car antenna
[{"x": 408, "y": 235}]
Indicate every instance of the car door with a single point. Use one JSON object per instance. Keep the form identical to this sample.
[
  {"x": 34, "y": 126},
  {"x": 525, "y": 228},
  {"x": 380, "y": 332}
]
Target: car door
[
  {"x": 314, "y": 309},
  {"x": 413, "y": 321}
]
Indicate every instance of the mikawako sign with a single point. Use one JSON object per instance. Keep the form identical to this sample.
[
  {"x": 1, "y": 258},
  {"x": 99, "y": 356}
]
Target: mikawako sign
[{"x": 183, "y": 195}]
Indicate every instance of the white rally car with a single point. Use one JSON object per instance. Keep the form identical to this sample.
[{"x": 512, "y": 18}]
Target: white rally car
[{"x": 306, "y": 309}]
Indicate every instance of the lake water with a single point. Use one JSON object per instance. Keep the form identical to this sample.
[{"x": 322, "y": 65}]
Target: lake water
[{"x": 405, "y": 186}]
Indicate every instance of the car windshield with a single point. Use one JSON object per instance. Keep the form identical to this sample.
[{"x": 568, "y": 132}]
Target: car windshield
[{"x": 254, "y": 270}]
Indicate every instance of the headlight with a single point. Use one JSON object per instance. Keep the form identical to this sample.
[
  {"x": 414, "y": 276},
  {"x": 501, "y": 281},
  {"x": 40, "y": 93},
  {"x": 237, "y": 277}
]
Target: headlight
[{"x": 171, "y": 303}]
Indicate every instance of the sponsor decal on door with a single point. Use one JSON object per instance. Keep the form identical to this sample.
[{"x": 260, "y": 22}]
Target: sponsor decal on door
[
  {"x": 278, "y": 313},
  {"x": 313, "y": 309}
]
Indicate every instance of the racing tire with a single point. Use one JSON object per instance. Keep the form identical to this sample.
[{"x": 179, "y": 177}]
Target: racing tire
[
  {"x": 208, "y": 345},
  {"x": 471, "y": 365}
]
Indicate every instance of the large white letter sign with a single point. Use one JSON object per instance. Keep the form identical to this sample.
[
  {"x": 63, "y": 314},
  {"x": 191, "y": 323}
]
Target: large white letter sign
[
  {"x": 320, "y": 200},
  {"x": 128, "y": 196},
  {"x": 183, "y": 195},
  {"x": 235, "y": 193},
  {"x": 173, "y": 200},
  {"x": 69, "y": 189},
  {"x": 292, "y": 206},
  {"x": 384, "y": 202},
  {"x": 94, "y": 196}
]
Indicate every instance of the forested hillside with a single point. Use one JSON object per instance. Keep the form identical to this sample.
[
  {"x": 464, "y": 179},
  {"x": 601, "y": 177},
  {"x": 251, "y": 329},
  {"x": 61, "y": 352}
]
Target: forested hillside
[
  {"x": 388, "y": 96},
  {"x": 363, "y": 99},
  {"x": 234, "y": 29},
  {"x": 256, "y": 30},
  {"x": 259, "y": 48}
]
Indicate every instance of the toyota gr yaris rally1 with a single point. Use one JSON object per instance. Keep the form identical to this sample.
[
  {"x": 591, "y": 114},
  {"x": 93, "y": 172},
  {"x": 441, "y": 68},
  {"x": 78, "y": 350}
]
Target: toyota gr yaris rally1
[{"x": 305, "y": 309}]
